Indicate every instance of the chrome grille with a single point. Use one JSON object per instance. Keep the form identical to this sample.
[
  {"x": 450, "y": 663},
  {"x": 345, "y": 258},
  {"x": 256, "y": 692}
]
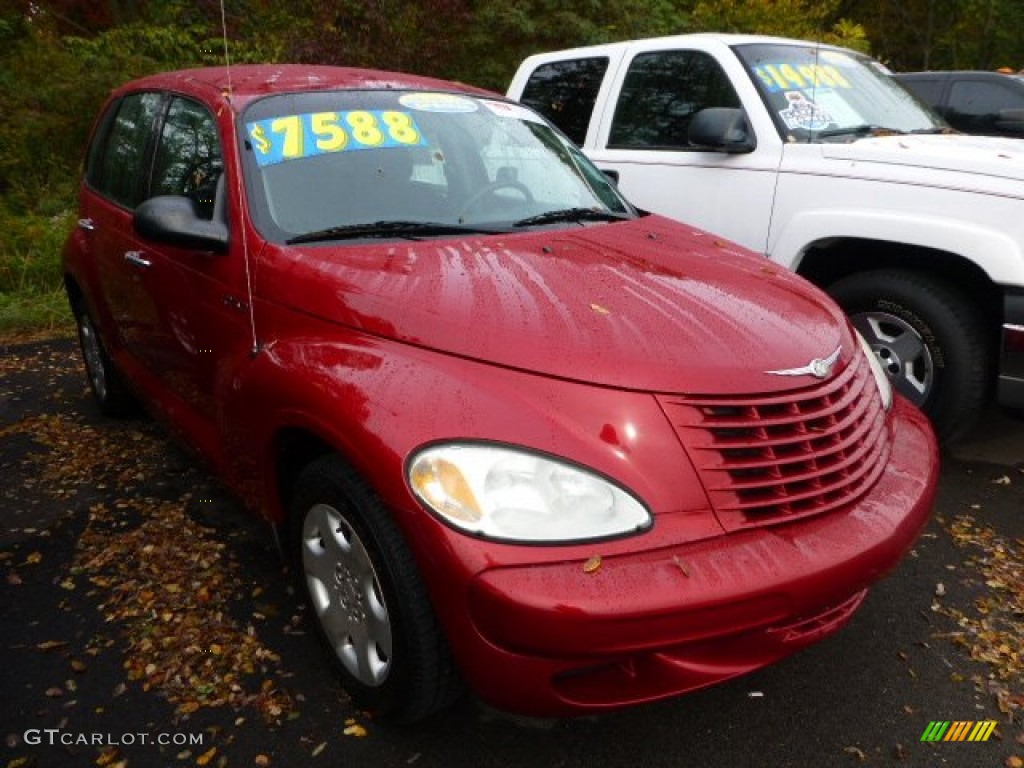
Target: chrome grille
[{"x": 772, "y": 458}]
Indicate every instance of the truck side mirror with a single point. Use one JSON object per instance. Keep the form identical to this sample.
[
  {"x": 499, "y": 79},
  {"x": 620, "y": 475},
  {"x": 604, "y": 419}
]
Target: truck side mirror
[
  {"x": 721, "y": 129},
  {"x": 1011, "y": 121}
]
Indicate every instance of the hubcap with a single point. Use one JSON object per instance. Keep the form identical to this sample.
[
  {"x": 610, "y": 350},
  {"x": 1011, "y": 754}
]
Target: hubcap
[
  {"x": 346, "y": 595},
  {"x": 902, "y": 352}
]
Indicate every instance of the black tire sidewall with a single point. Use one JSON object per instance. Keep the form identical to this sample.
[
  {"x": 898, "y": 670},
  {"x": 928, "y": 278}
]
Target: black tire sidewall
[
  {"x": 117, "y": 400},
  {"x": 948, "y": 325}
]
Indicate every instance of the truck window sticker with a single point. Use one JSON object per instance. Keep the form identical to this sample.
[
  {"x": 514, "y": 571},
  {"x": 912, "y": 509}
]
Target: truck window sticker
[
  {"x": 801, "y": 112},
  {"x": 784, "y": 76}
]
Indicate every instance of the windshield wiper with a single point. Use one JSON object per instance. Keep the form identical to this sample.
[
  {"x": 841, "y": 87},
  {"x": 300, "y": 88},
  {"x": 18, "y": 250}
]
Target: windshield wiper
[
  {"x": 408, "y": 229},
  {"x": 572, "y": 214},
  {"x": 865, "y": 129}
]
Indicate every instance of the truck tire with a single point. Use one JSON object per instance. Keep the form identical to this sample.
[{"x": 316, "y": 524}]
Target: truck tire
[{"x": 930, "y": 340}]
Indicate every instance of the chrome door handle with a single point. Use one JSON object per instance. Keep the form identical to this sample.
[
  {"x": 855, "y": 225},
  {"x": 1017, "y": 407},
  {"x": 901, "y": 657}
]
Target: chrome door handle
[
  {"x": 87, "y": 224},
  {"x": 136, "y": 258}
]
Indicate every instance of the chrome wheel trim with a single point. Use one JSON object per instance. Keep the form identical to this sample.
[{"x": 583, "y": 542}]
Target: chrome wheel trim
[
  {"x": 902, "y": 351},
  {"x": 346, "y": 595}
]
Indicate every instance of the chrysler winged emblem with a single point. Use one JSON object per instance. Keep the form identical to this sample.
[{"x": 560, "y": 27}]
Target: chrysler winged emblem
[{"x": 819, "y": 368}]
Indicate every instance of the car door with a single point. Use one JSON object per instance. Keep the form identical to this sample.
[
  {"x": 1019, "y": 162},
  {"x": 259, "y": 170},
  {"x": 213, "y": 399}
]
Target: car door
[
  {"x": 115, "y": 172},
  {"x": 644, "y": 140},
  {"x": 199, "y": 296}
]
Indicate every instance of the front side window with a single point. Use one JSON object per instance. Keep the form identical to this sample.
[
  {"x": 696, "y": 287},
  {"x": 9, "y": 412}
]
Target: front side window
[
  {"x": 661, "y": 93},
  {"x": 355, "y": 161},
  {"x": 188, "y": 156},
  {"x": 976, "y": 106},
  {"x": 565, "y": 92},
  {"x": 815, "y": 93},
  {"x": 117, "y": 168}
]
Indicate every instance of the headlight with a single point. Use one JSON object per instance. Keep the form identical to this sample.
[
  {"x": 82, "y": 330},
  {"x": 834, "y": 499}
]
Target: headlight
[
  {"x": 881, "y": 378},
  {"x": 507, "y": 493}
]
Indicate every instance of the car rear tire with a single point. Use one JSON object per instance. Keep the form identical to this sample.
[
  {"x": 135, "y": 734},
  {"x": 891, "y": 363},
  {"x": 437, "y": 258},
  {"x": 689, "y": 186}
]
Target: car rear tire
[
  {"x": 108, "y": 388},
  {"x": 930, "y": 340},
  {"x": 367, "y": 598}
]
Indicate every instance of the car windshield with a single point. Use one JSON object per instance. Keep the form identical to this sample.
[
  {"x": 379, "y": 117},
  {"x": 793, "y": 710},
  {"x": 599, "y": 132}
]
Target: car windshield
[
  {"x": 816, "y": 93},
  {"x": 344, "y": 165}
]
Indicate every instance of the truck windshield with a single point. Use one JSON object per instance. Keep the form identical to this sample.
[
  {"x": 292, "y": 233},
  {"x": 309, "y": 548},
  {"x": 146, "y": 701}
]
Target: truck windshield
[
  {"x": 347, "y": 165},
  {"x": 816, "y": 93}
]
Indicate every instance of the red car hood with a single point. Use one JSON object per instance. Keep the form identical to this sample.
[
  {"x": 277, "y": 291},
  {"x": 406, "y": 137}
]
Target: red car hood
[{"x": 649, "y": 304}]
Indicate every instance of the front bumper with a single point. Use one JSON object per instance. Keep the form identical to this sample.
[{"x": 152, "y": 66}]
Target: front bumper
[
  {"x": 558, "y": 639},
  {"x": 1011, "y": 365}
]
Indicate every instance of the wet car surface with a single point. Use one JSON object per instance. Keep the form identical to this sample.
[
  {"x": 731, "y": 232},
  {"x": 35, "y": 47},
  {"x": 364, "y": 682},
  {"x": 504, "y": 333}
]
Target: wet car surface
[{"x": 514, "y": 433}]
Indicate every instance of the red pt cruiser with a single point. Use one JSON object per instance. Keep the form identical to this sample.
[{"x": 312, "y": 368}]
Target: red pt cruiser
[{"x": 516, "y": 433}]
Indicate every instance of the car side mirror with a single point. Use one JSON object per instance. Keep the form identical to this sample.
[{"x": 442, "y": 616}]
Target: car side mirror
[
  {"x": 172, "y": 219},
  {"x": 1011, "y": 120},
  {"x": 721, "y": 129}
]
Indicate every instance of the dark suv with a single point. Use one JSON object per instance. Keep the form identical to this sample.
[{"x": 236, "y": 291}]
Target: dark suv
[{"x": 986, "y": 103}]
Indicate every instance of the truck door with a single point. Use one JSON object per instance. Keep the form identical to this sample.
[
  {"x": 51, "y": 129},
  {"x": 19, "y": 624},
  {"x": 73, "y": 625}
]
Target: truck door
[{"x": 643, "y": 139}]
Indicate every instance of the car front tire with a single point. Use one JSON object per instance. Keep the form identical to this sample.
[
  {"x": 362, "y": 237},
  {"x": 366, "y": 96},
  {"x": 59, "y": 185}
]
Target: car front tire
[{"x": 367, "y": 599}]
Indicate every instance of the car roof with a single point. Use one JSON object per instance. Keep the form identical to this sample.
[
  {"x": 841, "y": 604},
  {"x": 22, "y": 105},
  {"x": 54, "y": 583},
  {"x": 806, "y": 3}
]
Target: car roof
[
  {"x": 974, "y": 74},
  {"x": 246, "y": 82}
]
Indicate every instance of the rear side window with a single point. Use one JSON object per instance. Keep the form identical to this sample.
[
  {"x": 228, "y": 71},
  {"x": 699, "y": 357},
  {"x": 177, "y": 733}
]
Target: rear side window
[
  {"x": 565, "y": 93},
  {"x": 661, "y": 93},
  {"x": 188, "y": 156},
  {"x": 117, "y": 164},
  {"x": 929, "y": 90}
]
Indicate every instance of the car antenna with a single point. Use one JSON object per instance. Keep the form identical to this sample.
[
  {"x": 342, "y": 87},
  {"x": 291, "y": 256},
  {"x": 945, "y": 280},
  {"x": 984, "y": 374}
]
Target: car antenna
[
  {"x": 815, "y": 74},
  {"x": 255, "y": 349}
]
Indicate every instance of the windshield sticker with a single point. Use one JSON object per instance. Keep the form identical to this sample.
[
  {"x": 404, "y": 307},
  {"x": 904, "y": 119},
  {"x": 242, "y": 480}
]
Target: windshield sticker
[
  {"x": 292, "y": 137},
  {"x": 782, "y": 77},
  {"x": 437, "y": 102},
  {"x": 804, "y": 113},
  {"x": 516, "y": 111}
]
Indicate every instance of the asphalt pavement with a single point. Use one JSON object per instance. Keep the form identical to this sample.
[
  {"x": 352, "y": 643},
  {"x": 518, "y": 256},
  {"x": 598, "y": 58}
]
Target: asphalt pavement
[{"x": 101, "y": 519}]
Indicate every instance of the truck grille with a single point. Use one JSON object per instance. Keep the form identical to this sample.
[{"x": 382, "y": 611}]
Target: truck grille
[{"x": 773, "y": 458}]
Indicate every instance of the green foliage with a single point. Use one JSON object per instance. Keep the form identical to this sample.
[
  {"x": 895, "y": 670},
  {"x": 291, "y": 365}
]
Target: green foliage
[
  {"x": 532, "y": 26},
  {"x": 805, "y": 19},
  {"x": 944, "y": 34},
  {"x": 30, "y": 280}
]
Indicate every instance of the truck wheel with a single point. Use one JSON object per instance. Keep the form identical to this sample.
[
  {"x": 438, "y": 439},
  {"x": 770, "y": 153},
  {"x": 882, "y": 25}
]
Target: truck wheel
[
  {"x": 108, "y": 388},
  {"x": 930, "y": 340},
  {"x": 369, "y": 603}
]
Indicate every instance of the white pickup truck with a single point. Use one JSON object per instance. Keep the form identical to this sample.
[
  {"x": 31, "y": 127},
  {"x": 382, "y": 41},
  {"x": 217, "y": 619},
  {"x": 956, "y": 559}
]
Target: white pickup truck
[{"x": 815, "y": 157}]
